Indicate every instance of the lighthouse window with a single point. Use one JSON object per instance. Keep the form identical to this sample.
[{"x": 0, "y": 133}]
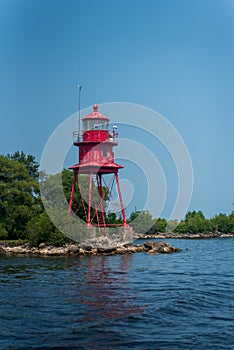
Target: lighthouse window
[
  {"x": 100, "y": 126},
  {"x": 104, "y": 151},
  {"x": 105, "y": 126},
  {"x": 95, "y": 125},
  {"x": 85, "y": 125}
]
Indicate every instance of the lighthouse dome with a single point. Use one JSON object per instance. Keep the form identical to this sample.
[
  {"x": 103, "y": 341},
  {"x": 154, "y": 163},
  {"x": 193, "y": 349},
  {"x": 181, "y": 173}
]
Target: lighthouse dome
[{"x": 95, "y": 120}]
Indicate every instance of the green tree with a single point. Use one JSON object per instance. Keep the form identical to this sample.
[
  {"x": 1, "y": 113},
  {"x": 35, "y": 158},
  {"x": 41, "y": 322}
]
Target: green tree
[
  {"x": 112, "y": 218},
  {"x": 171, "y": 225},
  {"x": 56, "y": 192},
  {"x": 29, "y": 161},
  {"x": 195, "y": 222},
  {"x": 194, "y": 215},
  {"x": 181, "y": 228},
  {"x": 141, "y": 221},
  {"x": 160, "y": 225},
  {"x": 198, "y": 225},
  {"x": 222, "y": 223},
  {"x": 231, "y": 219},
  {"x": 40, "y": 229},
  {"x": 3, "y": 232},
  {"x": 19, "y": 198}
]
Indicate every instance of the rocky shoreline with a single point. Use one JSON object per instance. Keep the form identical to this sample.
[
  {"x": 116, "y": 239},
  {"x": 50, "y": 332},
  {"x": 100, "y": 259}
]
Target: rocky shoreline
[
  {"x": 186, "y": 235},
  {"x": 89, "y": 247},
  {"x": 74, "y": 249}
]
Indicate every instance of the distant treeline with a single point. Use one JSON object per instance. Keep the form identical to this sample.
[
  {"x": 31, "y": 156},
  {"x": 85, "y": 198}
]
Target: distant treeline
[
  {"x": 194, "y": 222},
  {"x": 23, "y": 217}
]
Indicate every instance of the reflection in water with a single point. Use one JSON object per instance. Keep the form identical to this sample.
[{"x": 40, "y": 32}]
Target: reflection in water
[
  {"x": 106, "y": 290},
  {"x": 78, "y": 303}
]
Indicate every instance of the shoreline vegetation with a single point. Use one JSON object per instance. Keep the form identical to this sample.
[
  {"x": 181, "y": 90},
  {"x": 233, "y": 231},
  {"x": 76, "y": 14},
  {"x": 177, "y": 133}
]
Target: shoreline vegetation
[{"x": 25, "y": 226}]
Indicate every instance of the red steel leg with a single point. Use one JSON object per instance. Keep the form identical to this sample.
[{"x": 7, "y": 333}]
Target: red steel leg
[
  {"x": 72, "y": 193},
  {"x": 90, "y": 198},
  {"x": 101, "y": 198},
  {"x": 121, "y": 200}
]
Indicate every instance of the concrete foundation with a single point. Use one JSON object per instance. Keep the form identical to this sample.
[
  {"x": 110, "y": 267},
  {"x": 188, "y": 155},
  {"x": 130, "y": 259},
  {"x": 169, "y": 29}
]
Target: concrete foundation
[{"x": 108, "y": 237}]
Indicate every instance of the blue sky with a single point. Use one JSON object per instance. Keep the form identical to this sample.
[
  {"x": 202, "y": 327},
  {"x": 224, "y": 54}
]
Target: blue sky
[{"x": 174, "y": 56}]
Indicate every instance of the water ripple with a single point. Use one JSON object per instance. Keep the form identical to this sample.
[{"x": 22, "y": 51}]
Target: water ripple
[{"x": 140, "y": 301}]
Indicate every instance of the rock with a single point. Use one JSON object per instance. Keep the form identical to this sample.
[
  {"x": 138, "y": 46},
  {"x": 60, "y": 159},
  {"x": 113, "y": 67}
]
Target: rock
[
  {"x": 97, "y": 248},
  {"x": 42, "y": 245},
  {"x": 18, "y": 250},
  {"x": 106, "y": 250},
  {"x": 153, "y": 251},
  {"x": 149, "y": 245},
  {"x": 132, "y": 249},
  {"x": 73, "y": 248},
  {"x": 87, "y": 247},
  {"x": 159, "y": 247},
  {"x": 140, "y": 248},
  {"x": 121, "y": 250},
  {"x": 34, "y": 250},
  {"x": 82, "y": 251},
  {"x": 44, "y": 251},
  {"x": 2, "y": 250},
  {"x": 57, "y": 251},
  {"x": 167, "y": 250}
]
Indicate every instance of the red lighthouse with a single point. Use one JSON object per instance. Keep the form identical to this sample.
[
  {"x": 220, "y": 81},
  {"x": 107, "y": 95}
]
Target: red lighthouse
[{"x": 96, "y": 159}]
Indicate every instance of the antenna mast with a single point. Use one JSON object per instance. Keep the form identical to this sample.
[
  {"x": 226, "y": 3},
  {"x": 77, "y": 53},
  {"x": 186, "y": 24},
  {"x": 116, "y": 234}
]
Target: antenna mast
[{"x": 79, "y": 93}]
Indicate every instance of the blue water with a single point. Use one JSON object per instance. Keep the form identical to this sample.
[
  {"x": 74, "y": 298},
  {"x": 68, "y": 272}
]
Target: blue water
[{"x": 179, "y": 301}]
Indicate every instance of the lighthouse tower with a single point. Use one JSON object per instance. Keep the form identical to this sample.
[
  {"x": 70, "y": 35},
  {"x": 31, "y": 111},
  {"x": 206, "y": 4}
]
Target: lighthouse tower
[{"x": 96, "y": 159}]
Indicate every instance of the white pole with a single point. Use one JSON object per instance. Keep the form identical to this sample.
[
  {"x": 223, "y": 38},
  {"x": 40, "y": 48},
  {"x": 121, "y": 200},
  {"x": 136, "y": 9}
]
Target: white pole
[{"x": 79, "y": 91}]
